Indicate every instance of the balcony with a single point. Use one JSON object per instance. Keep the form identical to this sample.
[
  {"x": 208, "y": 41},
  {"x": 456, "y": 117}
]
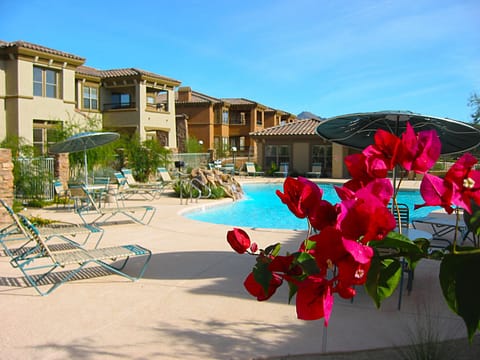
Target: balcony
[{"x": 119, "y": 105}]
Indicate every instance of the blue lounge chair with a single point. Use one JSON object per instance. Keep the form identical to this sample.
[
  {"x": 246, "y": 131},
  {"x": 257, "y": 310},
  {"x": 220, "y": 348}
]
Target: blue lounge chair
[{"x": 39, "y": 257}]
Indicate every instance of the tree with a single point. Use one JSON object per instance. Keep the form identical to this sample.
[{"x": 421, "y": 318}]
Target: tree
[{"x": 474, "y": 102}]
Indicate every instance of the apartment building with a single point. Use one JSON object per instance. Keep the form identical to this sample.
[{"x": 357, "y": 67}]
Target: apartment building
[
  {"x": 42, "y": 88},
  {"x": 225, "y": 124}
]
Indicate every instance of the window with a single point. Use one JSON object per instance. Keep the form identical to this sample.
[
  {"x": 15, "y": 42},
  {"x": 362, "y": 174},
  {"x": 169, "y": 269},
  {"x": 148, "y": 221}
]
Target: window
[
  {"x": 90, "y": 98},
  {"x": 45, "y": 133},
  {"x": 322, "y": 154},
  {"x": 225, "y": 117},
  {"x": 45, "y": 82},
  {"x": 277, "y": 154},
  {"x": 238, "y": 142},
  {"x": 120, "y": 100},
  {"x": 259, "y": 117}
]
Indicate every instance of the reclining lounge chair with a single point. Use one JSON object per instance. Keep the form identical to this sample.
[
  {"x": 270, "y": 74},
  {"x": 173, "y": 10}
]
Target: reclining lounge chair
[
  {"x": 40, "y": 257},
  {"x": 140, "y": 214},
  {"x": 72, "y": 232}
]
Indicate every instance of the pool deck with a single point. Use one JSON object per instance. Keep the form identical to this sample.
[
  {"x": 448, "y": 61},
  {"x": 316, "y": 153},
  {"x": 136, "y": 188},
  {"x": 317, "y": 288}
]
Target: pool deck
[{"x": 191, "y": 303}]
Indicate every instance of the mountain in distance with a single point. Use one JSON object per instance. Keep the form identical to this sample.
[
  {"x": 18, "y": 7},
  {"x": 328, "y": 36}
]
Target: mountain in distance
[{"x": 308, "y": 115}]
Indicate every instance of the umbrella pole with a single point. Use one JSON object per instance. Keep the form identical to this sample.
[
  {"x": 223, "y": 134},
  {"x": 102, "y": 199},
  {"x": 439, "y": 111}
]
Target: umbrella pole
[{"x": 86, "y": 168}]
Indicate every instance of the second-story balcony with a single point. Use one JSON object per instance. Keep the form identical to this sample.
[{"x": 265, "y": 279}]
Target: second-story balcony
[{"x": 119, "y": 105}]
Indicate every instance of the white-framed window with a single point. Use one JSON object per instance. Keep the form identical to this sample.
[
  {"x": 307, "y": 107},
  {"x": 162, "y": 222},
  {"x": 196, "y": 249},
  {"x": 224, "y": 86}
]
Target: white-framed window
[
  {"x": 45, "y": 133},
  {"x": 90, "y": 98},
  {"x": 45, "y": 82}
]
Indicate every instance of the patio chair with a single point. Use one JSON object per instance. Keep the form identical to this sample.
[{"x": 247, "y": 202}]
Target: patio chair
[
  {"x": 316, "y": 171},
  {"x": 61, "y": 194},
  {"x": 139, "y": 214},
  {"x": 72, "y": 232},
  {"x": 126, "y": 191},
  {"x": 283, "y": 171},
  {"x": 250, "y": 166},
  {"x": 401, "y": 213},
  {"x": 41, "y": 256},
  {"x": 164, "y": 176},
  {"x": 147, "y": 190}
]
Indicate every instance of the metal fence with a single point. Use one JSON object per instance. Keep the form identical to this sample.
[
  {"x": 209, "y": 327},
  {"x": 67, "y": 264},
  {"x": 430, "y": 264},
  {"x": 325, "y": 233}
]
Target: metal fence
[
  {"x": 35, "y": 180},
  {"x": 191, "y": 160}
]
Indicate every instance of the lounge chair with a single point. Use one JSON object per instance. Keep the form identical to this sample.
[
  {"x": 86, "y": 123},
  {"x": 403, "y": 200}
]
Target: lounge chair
[
  {"x": 40, "y": 257},
  {"x": 140, "y": 214},
  {"x": 147, "y": 190},
  {"x": 164, "y": 177},
  {"x": 252, "y": 171},
  {"x": 283, "y": 171},
  {"x": 80, "y": 234},
  {"x": 127, "y": 191},
  {"x": 229, "y": 169},
  {"x": 316, "y": 171}
]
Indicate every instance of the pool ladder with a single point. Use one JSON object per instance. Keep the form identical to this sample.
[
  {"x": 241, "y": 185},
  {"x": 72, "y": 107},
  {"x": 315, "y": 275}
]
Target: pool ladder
[{"x": 195, "y": 184}]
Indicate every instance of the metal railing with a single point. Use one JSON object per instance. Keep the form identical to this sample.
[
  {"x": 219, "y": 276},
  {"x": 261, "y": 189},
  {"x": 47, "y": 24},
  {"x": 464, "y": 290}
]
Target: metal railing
[{"x": 35, "y": 178}]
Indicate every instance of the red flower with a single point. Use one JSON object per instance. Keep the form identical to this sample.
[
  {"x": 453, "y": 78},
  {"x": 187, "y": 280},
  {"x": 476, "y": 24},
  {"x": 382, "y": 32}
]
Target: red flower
[
  {"x": 300, "y": 195},
  {"x": 238, "y": 240},
  {"x": 365, "y": 218},
  {"x": 256, "y": 290},
  {"x": 314, "y": 299},
  {"x": 419, "y": 152}
]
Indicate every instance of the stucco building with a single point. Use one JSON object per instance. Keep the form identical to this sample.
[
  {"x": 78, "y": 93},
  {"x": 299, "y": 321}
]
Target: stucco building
[{"x": 43, "y": 88}]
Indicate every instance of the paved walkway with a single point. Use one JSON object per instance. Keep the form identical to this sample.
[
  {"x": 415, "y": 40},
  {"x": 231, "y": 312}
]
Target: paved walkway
[{"x": 191, "y": 303}]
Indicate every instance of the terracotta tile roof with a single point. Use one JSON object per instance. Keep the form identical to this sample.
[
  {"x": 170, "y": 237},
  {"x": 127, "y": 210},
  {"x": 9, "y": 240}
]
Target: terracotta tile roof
[
  {"x": 27, "y": 45},
  {"x": 113, "y": 73},
  {"x": 199, "y": 98},
  {"x": 242, "y": 102},
  {"x": 299, "y": 127},
  {"x": 86, "y": 70}
]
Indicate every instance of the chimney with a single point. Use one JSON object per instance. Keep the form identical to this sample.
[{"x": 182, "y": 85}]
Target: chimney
[{"x": 184, "y": 94}]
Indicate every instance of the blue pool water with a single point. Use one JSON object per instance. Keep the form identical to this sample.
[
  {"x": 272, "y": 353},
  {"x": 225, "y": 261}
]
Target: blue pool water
[{"x": 262, "y": 208}]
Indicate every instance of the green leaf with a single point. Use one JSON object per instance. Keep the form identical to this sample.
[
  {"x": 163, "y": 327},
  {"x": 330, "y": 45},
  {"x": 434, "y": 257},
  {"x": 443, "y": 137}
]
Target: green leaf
[
  {"x": 402, "y": 246},
  {"x": 273, "y": 250},
  {"x": 460, "y": 282},
  {"x": 310, "y": 245},
  {"x": 383, "y": 278},
  {"x": 308, "y": 263},
  {"x": 292, "y": 290},
  {"x": 262, "y": 275},
  {"x": 473, "y": 220}
]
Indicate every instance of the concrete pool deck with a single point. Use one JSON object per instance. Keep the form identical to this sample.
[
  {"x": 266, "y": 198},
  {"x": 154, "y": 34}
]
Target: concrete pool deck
[{"x": 191, "y": 304}]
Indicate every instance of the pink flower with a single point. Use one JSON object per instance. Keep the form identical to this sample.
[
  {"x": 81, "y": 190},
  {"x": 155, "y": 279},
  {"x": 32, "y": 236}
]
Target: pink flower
[
  {"x": 300, "y": 195},
  {"x": 419, "y": 152},
  {"x": 465, "y": 182}
]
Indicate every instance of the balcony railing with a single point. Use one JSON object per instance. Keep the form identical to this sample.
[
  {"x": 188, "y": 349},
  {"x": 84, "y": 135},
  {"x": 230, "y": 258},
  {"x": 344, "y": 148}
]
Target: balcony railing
[{"x": 119, "y": 105}]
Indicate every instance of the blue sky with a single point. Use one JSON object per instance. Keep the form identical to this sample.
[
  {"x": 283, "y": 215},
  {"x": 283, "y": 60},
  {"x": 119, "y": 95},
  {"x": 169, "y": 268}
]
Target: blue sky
[{"x": 326, "y": 57}]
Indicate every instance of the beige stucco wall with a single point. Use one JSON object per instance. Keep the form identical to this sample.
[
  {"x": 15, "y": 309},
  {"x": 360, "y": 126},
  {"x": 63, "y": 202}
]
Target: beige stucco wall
[
  {"x": 301, "y": 157},
  {"x": 3, "y": 113},
  {"x": 22, "y": 107},
  {"x": 339, "y": 170}
]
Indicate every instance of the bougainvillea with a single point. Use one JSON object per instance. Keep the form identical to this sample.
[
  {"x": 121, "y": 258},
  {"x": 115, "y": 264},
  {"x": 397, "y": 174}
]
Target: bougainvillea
[{"x": 345, "y": 239}]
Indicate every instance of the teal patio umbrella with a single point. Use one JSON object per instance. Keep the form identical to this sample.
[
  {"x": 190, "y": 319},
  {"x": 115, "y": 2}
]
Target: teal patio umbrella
[
  {"x": 357, "y": 130},
  {"x": 83, "y": 142}
]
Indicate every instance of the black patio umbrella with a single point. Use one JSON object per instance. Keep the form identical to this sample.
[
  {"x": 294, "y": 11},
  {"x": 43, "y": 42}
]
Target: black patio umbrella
[
  {"x": 83, "y": 142},
  {"x": 358, "y": 130}
]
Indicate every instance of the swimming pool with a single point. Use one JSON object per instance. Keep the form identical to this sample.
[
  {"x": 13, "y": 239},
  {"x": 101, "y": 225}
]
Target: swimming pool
[{"x": 262, "y": 208}]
